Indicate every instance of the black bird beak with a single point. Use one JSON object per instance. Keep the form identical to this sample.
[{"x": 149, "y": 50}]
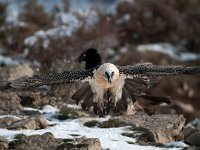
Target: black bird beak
[{"x": 81, "y": 58}]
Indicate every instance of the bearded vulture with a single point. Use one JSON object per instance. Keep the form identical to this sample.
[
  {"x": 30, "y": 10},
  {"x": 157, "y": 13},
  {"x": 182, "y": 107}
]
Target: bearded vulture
[{"x": 107, "y": 86}]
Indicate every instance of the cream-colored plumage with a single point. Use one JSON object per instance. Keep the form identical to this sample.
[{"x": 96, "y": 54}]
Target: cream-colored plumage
[{"x": 100, "y": 84}]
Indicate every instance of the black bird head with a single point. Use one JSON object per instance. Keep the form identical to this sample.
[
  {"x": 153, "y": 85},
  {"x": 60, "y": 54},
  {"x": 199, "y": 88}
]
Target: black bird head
[{"x": 91, "y": 58}]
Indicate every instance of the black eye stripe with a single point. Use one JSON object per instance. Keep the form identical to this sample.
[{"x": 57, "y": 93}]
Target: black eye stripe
[{"x": 106, "y": 73}]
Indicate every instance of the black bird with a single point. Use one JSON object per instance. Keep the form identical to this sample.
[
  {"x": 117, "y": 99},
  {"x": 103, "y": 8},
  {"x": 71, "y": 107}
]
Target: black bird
[{"x": 91, "y": 57}]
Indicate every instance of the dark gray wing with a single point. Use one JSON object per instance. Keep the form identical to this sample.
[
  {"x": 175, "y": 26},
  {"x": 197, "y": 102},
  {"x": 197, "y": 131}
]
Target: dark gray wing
[
  {"x": 150, "y": 70},
  {"x": 140, "y": 77},
  {"x": 49, "y": 79}
]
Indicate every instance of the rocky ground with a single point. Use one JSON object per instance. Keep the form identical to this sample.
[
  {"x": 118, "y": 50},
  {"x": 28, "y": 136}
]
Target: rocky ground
[{"x": 36, "y": 119}]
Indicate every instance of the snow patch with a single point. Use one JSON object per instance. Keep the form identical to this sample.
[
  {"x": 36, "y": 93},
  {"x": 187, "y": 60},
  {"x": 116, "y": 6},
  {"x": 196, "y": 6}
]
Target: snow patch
[
  {"x": 49, "y": 109},
  {"x": 54, "y": 33},
  {"x": 195, "y": 123},
  {"x": 178, "y": 144},
  {"x": 169, "y": 50},
  {"x": 73, "y": 106},
  {"x": 8, "y": 60},
  {"x": 65, "y": 18},
  {"x": 110, "y": 138},
  {"x": 125, "y": 18}
]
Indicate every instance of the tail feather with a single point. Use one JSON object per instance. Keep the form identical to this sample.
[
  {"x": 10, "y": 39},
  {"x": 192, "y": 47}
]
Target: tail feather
[
  {"x": 131, "y": 93},
  {"x": 122, "y": 104},
  {"x": 87, "y": 101},
  {"x": 84, "y": 95},
  {"x": 155, "y": 100},
  {"x": 81, "y": 92}
]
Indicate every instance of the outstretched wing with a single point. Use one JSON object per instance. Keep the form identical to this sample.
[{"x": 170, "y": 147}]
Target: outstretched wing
[
  {"x": 150, "y": 70},
  {"x": 140, "y": 77},
  {"x": 49, "y": 79}
]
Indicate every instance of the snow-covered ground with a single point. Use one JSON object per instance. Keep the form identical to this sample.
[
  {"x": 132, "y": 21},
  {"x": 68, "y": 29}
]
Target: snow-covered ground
[{"x": 110, "y": 137}]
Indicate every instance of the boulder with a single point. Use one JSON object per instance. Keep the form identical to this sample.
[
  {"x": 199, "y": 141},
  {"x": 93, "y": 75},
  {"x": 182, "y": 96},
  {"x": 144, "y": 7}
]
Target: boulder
[
  {"x": 32, "y": 123},
  {"x": 36, "y": 142},
  {"x": 158, "y": 128},
  {"x": 192, "y": 136},
  {"x": 13, "y": 72},
  {"x": 3, "y": 144},
  {"x": 48, "y": 142},
  {"x": 9, "y": 103}
]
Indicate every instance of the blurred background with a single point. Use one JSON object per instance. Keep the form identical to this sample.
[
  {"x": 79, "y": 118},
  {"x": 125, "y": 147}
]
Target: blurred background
[{"x": 49, "y": 35}]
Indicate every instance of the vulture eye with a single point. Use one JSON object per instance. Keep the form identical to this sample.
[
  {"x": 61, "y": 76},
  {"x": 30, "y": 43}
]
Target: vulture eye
[{"x": 112, "y": 74}]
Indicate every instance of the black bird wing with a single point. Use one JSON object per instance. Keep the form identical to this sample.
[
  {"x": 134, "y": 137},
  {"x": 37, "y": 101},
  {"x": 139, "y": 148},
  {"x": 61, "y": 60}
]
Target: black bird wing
[{"x": 49, "y": 79}]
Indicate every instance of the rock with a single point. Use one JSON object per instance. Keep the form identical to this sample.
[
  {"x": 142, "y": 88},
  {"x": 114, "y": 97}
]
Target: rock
[
  {"x": 3, "y": 144},
  {"x": 192, "y": 148},
  {"x": 48, "y": 142},
  {"x": 90, "y": 144},
  {"x": 31, "y": 112},
  {"x": 188, "y": 131},
  {"x": 194, "y": 139},
  {"x": 33, "y": 98},
  {"x": 192, "y": 136},
  {"x": 158, "y": 128},
  {"x": 13, "y": 72},
  {"x": 32, "y": 123},
  {"x": 9, "y": 103},
  {"x": 7, "y": 121},
  {"x": 36, "y": 142},
  {"x": 82, "y": 143}
]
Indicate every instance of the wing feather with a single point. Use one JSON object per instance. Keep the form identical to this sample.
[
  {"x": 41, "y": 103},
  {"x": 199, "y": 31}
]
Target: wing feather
[
  {"x": 149, "y": 70},
  {"x": 49, "y": 79}
]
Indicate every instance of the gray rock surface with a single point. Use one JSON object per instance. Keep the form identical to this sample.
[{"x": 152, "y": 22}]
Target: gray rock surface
[
  {"x": 48, "y": 142},
  {"x": 158, "y": 128},
  {"x": 3, "y": 144},
  {"x": 33, "y": 123},
  {"x": 9, "y": 103},
  {"x": 13, "y": 72},
  {"x": 192, "y": 136}
]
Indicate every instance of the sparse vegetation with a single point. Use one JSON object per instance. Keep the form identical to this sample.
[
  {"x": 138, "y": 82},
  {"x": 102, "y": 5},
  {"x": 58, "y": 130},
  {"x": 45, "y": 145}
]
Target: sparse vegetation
[
  {"x": 112, "y": 123},
  {"x": 67, "y": 113},
  {"x": 19, "y": 136},
  {"x": 93, "y": 123},
  {"x": 16, "y": 141},
  {"x": 131, "y": 135}
]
